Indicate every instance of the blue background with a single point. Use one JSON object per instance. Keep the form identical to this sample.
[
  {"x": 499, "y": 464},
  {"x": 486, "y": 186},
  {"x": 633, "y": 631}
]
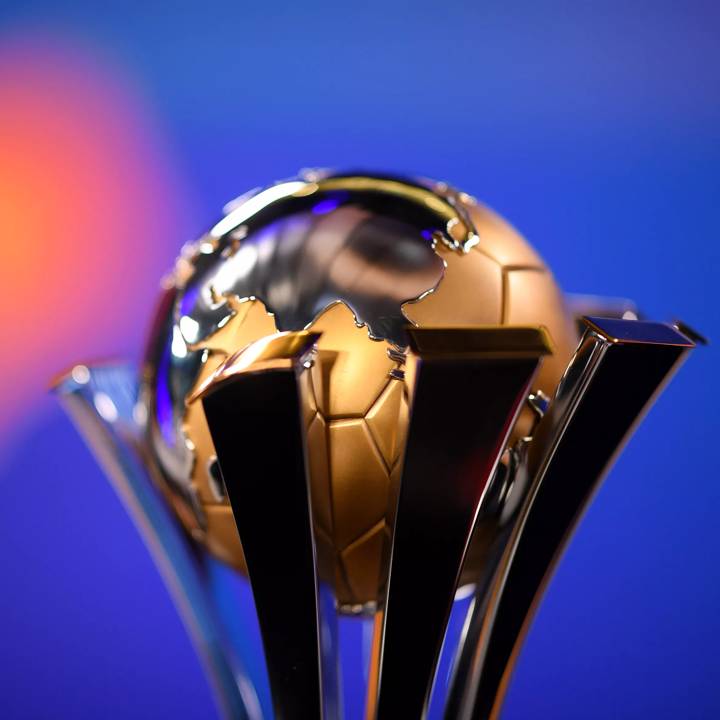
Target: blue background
[{"x": 595, "y": 128}]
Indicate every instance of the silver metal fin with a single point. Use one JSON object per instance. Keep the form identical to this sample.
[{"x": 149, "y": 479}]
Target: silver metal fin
[{"x": 102, "y": 402}]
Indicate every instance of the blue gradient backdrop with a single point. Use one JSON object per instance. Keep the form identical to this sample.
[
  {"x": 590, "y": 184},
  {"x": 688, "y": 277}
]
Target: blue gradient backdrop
[{"x": 595, "y": 128}]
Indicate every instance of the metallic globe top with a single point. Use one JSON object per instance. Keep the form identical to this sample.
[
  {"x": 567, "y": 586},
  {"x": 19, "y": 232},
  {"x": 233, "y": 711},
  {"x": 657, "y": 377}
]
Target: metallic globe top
[
  {"x": 300, "y": 246},
  {"x": 390, "y": 252},
  {"x": 372, "y": 250}
]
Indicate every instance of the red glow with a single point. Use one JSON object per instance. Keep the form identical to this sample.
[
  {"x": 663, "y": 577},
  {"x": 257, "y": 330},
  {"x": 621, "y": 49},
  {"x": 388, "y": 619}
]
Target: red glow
[{"x": 90, "y": 215}]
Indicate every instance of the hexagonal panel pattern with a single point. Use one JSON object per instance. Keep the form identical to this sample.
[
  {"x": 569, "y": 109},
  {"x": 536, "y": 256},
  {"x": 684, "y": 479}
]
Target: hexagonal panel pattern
[
  {"x": 350, "y": 370},
  {"x": 501, "y": 241},
  {"x": 362, "y": 561},
  {"x": 524, "y": 288},
  {"x": 359, "y": 480},
  {"x": 356, "y": 416},
  {"x": 318, "y": 463},
  {"x": 472, "y": 298},
  {"x": 387, "y": 421}
]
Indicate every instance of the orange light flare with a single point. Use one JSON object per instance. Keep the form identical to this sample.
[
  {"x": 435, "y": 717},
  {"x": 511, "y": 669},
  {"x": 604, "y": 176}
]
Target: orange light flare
[{"x": 91, "y": 215}]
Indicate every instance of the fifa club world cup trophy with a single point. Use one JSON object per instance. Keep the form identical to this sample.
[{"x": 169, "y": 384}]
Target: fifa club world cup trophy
[{"x": 368, "y": 396}]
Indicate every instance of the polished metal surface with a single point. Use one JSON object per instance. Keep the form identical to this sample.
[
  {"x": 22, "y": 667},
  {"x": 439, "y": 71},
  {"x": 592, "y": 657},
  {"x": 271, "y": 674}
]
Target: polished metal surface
[
  {"x": 346, "y": 398},
  {"x": 103, "y": 403},
  {"x": 298, "y": 247},
  {"x": 582, "y": 306},
  {"x": 469, "y": 386},
  {"x": 619, "y": 368},
  {"x": 324, "y": 247},
  {"x": 335, "y": 250},
  {"x": 690, "y": 332},
  {"x": 259, "y": 390}
]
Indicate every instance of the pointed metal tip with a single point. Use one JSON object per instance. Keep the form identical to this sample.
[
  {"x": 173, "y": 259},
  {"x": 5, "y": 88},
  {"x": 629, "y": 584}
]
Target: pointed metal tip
[
  {"x": 281, "y": 350},
  {"x": 490, "y": 341},
  {"x": 638, "y": 331},
  {"x": 60, "y": 383},
  {"x": 77, "y": 376},
  {"x": 690, "y": 332}
]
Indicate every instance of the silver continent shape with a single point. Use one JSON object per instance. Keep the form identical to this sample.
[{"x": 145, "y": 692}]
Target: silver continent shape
[{"x": 297, "y": 253}]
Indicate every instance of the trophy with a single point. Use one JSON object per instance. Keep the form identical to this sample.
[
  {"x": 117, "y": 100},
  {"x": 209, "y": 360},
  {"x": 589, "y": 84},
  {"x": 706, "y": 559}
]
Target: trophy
[{"x": 366, "y": 395}]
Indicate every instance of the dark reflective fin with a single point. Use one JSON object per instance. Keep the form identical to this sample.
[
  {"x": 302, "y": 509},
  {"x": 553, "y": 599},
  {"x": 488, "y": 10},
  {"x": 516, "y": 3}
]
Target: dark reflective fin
[
  {"x": 253, "y": 408},
  {"x": 469, "y": 387},
  {"x": 618, "y": 370}
]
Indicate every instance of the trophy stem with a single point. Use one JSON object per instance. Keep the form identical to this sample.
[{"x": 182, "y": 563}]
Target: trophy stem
[
  {"x": 101, "y": 402},
  {"x": 470, "y": 385},
  {"x": 619, "y": 368}
]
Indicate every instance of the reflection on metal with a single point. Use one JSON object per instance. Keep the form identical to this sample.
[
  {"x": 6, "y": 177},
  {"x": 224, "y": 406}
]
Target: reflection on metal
[
  {"x": 102, "y": 402},
  {"x": 619, "y": 368},
  {"x": 351, "y": 241},
  {"x": 460, "y": 233},
  {"x": 299, "y": 247},
  {"x": 539, "y": 402},
  {"x": 690, "y": 332},
  {"x": 469, "y": 386},
  {"x": 268, "y": 485},
  {"x": 332, "y": 262},
  {"x": 521, "y": 505},
  {"x": 274, "y": 352},
  {"x": 582, "y": 306}
]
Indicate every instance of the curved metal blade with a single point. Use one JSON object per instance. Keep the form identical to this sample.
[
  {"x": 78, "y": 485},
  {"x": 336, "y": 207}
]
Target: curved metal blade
[
  {"x": 102, "y": 401},
  {"x": 253, "y": 408},
  {"x": 618, "y": 370},
  {"x": 469, "y": 387}
]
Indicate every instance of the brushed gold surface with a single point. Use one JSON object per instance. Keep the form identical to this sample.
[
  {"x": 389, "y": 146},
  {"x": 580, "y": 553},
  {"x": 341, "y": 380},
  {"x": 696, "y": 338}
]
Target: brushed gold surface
[
  {"x": 350, "y": 370},
  {"x": 387, "y": 420},
  {"x": 359, "y": 481},
  {"x": 533, "y": 296},
  {"x": 501, "y": 241},
  {"x": 361, "y": 561},
  {"x": 472, "y": 294}
]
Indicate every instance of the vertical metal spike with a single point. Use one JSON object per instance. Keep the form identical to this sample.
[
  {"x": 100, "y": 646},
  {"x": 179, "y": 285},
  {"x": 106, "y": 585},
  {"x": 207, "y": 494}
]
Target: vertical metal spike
[
  {"x": 618, "y": 370},
  {"x": 253, "y": 408},
  {"x": 470, "y": 385}
]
